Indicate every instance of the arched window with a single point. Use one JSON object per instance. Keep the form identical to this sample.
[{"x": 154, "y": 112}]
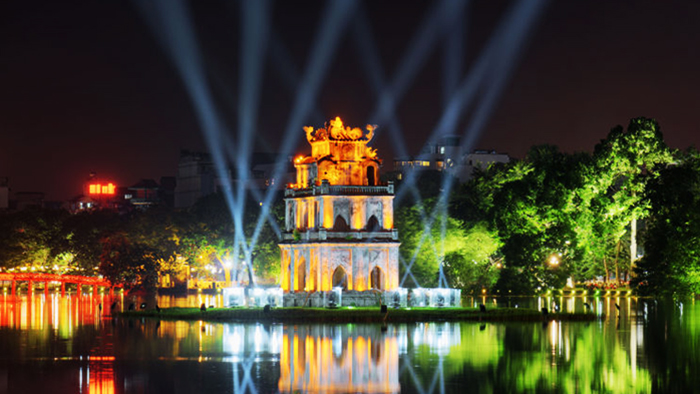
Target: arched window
[
  {"x": 373, "y": 224},
  {"x": 340, "y": 224},
  {"x": 340, "y": 278},
  {"x": 375, "y": 279},
  {"x": 371, "y": 176}
]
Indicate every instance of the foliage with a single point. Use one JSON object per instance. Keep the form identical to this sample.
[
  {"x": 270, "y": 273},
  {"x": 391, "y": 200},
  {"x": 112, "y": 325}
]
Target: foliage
[
  {"x": 81, "y": 236},
  {"x": 430, "y": 240},
  {"x": 526, "y": 202},
  {"x": 208, "y": 239},
  {"x": 474, "y": 265},
  {"x": 135, "y": 265},
  {"x": 29, "y": 238},
  {"x": 671, "y": 265},
  {"x": 614, "y": 189},
  {"x": 424, "y": 244},
  {"x": 580, "y": 209}
]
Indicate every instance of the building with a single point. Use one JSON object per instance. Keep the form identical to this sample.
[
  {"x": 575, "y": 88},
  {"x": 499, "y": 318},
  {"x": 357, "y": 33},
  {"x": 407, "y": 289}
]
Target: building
[
  {"x": 197, "y": 176},
  {"x": 339, "y": 219},
  {"x": 98, "y": 193},
  {"x": 447, "y": 155},
  {"x": 144, "y": 193}
]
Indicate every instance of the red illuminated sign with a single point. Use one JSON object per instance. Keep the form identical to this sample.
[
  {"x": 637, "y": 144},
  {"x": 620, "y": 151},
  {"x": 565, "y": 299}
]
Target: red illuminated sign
[{"x": 96, "y": 188}]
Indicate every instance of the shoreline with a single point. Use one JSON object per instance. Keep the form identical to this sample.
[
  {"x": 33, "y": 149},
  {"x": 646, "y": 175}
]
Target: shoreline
[{"x": 357, "y": 315}]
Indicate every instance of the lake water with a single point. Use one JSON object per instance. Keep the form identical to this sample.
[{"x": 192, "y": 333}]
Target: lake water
[{"x": 54, "y": 344}]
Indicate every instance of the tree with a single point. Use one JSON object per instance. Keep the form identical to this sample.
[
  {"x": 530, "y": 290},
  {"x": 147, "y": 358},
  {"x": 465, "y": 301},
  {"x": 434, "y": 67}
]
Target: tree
[
  {"x": 474, "y": 265},
  {"x": 527, "y": 203},
  {"x": 624, "y": 164},
  {"x": 424, "y": 244},
  {"x": 29, "y": 238},
  {"x": 134, "y": 265},
  {"x": 210, "y": 235},
  {"x": 671, "y": 264},
  {"x": 437, "y": 250},
  {"x": 81, "y": 235}
]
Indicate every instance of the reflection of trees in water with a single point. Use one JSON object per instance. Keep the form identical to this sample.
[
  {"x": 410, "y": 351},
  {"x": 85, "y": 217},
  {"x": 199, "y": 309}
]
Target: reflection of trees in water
[
  {"x": 574, "y": 357},
  {"x": 658, "y": 353},
  {"x": 672, "y": 347}
]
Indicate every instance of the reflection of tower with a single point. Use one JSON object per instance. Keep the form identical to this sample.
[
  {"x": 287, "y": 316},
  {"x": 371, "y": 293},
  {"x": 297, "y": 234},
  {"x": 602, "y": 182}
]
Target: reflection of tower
[
  {"x": 339, "y": 218},
  {"x": 312, "y": 360}
]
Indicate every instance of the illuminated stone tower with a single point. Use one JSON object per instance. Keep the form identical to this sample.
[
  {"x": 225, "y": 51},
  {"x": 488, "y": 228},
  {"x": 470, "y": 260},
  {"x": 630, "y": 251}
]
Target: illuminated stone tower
[{"x": 339, "y": 227}]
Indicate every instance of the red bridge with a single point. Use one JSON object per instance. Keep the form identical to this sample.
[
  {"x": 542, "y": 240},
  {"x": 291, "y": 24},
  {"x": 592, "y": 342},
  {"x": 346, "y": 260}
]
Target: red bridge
[{"x": 63, "y": 279}]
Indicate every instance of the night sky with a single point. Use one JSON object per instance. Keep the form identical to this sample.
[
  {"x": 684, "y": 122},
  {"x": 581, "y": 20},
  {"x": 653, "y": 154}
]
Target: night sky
[{"x": 87, "y": 87}]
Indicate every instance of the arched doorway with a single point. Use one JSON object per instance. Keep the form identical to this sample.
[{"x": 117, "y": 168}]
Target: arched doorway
[
  {"x": 373, "y": 224},
  {"x": 340, "y": 224},
  {"x": 371, "y": 181},
  {"x": 375, "y": 279},
  {"x": 340, "y": 278}
]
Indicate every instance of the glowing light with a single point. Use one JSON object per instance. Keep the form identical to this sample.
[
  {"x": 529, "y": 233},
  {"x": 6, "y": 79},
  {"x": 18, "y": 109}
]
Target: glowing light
[
  {"x": 554, "y": 261},
  {"x": 97, "y": 189}
]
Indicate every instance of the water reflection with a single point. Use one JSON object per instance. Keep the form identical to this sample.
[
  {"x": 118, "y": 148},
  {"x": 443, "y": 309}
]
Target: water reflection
[
  {"x": 76, "y": 346},
  {"x": 330, "y": 359}
]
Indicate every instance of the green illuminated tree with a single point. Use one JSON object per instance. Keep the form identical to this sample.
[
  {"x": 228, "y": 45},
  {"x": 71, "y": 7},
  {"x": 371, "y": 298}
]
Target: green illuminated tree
[
  {"x": 527, "y": 203},
  {"x": 474, "y": 265},
  {"x": 614, "y": 190},
  {"x": 431, "y": 241},
  {"x": 671, "y": 264}
]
